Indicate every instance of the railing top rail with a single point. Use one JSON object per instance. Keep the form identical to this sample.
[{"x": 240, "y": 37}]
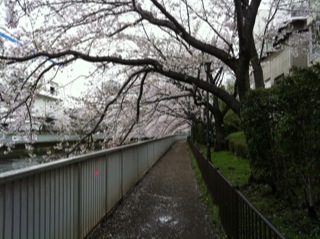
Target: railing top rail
[{"x": 19, "y": 173}]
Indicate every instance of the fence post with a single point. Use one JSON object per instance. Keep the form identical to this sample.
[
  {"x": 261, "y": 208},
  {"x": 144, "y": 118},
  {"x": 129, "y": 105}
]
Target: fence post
[{"x": 236, "y": 214}]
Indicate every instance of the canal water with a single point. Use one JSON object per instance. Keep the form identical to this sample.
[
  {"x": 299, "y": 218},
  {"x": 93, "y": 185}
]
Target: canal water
[
  {"x": 14, "y": 164},
  {"x": 44, "y": 141}
]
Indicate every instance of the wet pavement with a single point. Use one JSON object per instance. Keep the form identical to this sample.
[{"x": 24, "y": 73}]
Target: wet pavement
[{"x": 167, "y": 203}]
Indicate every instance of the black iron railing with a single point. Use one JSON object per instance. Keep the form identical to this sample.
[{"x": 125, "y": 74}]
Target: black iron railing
[{"x": 239, "y": 218}]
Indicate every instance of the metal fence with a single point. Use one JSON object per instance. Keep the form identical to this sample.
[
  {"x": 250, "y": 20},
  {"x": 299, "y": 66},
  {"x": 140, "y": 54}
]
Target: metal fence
[
  {"x": 239, "y": 218},
  {"x": 68, "y": 197}
]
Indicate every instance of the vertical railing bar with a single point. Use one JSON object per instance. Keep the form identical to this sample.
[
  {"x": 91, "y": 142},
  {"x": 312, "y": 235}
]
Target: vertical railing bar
[
  {"x": 69, "y": 216},
  {"x": 241, "y": 218},
  {"x": 2, "y": 215},
  {"x": 270, "y": 234},
  {"x": 20, "y": 211},
  {"x": 245, "y": 230},
  {"x": 106, "y": 182},
  {"x": 57, "y": 199},
  {"x": 121, "y": 173},
  {"x": 260, "y": 228},
  {"x": 80, "y": 216},
  {"x": 265, "y": 231},
  {"x": 256, "y": 226},
  {"x": 251, "y": 222}
]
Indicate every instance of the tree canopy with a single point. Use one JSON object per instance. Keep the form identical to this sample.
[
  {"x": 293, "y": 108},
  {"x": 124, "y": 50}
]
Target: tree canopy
[{"x": 131, "y": 42}]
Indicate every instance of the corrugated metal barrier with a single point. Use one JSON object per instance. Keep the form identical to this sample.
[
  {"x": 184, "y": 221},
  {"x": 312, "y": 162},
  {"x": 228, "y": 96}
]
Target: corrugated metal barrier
[{"x": 68, "y": 197}]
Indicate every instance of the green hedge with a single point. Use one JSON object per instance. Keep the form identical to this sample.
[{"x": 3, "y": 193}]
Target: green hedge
[
  {"x": 237, "y": 144},
  {"x": 281, "y": 125}
]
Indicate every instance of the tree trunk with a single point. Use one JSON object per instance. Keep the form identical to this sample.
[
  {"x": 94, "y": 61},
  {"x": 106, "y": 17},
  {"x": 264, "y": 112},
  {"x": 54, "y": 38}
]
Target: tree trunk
[
  {"x": 309, "y": 194},
  {"x": 257, "y": 69},
  {"x": 243, "y": 81},
  {"x": 242, "y": 71},
  {"x": 220, "y": 140}
]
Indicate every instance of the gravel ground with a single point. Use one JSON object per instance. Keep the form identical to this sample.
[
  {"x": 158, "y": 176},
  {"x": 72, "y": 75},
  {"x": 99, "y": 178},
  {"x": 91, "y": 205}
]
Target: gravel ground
[{"x": 165, "y": 204}]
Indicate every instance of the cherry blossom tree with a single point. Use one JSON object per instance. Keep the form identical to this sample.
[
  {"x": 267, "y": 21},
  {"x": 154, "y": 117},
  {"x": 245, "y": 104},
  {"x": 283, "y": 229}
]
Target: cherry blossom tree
[
  {"x": 152, "y": 109},
  {"x": 177, "y": 36},
  {"x": 132, "y": 42},
  {"x": 145, "y": 108}
]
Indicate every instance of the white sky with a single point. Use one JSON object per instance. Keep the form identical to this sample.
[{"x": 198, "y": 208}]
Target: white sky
[{"x": 73, "y": 81}]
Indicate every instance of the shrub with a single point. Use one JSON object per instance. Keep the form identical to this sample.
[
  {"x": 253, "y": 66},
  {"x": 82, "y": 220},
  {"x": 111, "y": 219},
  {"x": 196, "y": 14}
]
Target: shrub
[
  {"x": 199, "y": 133},
  {"x": 231, "y": 122},
  {"x": 283, "y": 134},
  {"x": 237, "y": 144}
]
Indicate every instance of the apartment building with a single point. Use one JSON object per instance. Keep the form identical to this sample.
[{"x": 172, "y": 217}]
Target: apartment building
[
  {"x": 44, "y": 111},
  {"x": 46, "y": 106},
  {"x": 297, "y": 44}
]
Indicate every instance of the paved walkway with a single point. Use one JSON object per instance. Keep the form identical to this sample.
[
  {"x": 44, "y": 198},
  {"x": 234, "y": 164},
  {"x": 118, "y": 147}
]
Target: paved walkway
[{"x": 165, "y": 204}]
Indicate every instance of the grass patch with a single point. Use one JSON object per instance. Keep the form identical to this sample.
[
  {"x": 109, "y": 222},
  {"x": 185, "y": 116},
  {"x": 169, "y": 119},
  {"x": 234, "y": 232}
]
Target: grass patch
[
  {"x": 237, "y": 137},
  {"x": 237, "y": 144},
  {"x": 235, "y": 169},
  {"x": 214, "y": 210}
]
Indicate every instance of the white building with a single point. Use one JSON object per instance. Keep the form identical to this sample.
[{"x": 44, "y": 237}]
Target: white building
[
  {"x": 297, "y": 44},
  {"x": 46, "y": 102},
  {"x": 47, "y": 106},
  {"x": 45, "y": 110}
]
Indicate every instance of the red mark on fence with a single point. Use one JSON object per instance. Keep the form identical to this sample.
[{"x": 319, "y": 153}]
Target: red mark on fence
[{"x": 96, "y": 171}]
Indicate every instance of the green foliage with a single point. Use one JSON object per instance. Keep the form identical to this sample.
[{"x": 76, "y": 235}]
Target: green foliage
[
  {"x": 258, "y": 120},
  {"x": 231, "y": 122},
  {"x": 235, "y": 169},
  {"x": 292, "y": 222},
  {"x": 281, "y": 125},
  {"x": 237, "y": 144},
  {"x": 198, "y": 133}
]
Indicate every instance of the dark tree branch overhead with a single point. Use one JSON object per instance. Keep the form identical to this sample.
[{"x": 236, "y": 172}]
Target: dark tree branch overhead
[
  {"x": 219, "y": 92},
  {"x": 140, "y": 95},
  {"x": 176, "y": 27},
  {"x": 155, "y": 67},
  {"x": 85, "y": 57},
  {"x": 160, "y": 99}
]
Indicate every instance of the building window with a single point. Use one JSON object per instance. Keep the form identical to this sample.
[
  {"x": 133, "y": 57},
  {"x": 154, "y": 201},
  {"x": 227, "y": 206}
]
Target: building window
[
  {"x": 52, "y": 90},
  {"x": 267, "y": 83}
]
